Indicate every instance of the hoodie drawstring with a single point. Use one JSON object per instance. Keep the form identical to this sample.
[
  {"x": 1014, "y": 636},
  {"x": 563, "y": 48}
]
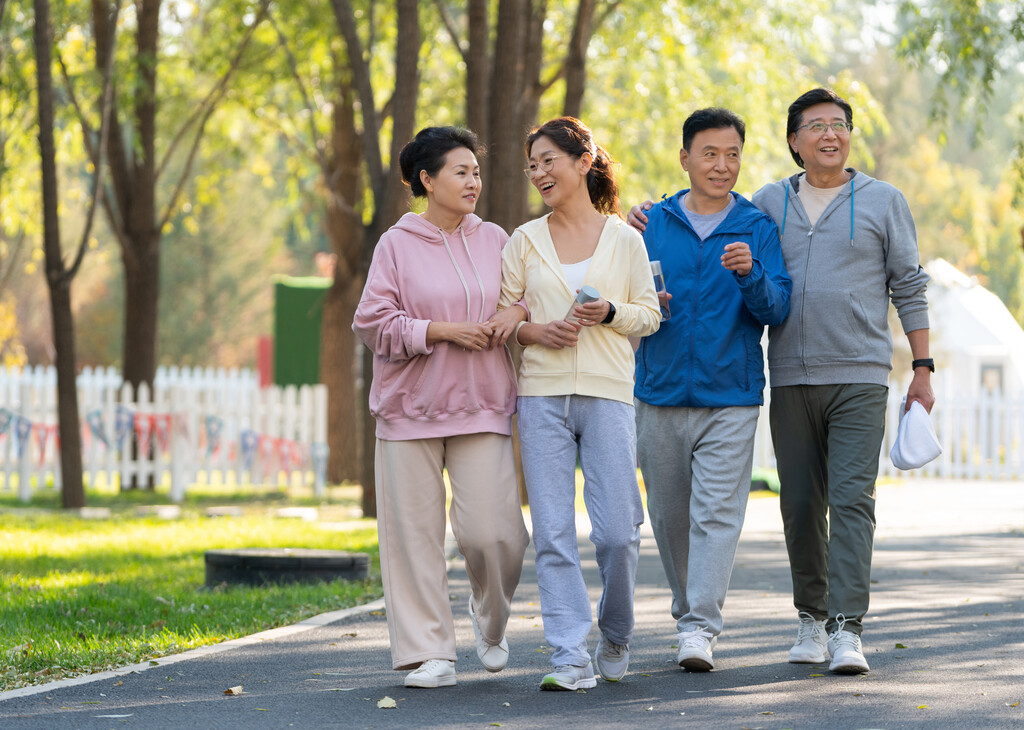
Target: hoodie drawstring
[
  {"x": 462, "y": 278},
  {"x": 476, "y": 273}
]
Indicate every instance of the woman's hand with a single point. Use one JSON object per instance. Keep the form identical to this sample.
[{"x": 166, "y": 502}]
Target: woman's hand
[
  {"x": 555, "y": 335},
  {"x": 504, "y": 324},
  {"x": 467, "y": 335},
  {"x": 591, "y": 313}
]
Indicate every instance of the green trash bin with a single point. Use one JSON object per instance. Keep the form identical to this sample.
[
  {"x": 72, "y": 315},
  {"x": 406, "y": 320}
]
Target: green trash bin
[{"x": 298, "y": 311}]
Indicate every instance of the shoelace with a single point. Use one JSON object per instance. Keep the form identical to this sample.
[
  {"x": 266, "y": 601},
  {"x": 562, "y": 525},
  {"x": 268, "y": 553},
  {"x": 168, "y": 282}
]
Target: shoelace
[
  {"x": 613, "y": 650},
  {"x": 430, "y": 665},
  {"x": 841, "y": 636},
  {"x": 808, "y": 624},
  {"x": 695, "y": 638}
]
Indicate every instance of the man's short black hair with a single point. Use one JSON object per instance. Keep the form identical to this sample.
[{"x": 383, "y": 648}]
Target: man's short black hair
[{"x": 711, "y": 118}]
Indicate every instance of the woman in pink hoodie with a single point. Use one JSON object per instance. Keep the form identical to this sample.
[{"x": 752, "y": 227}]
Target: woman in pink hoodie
[{"x": 443, "y": 396}]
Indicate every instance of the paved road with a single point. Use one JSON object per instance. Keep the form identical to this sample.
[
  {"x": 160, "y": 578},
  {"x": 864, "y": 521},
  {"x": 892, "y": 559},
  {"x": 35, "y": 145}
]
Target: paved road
[{"x": 945, "y": 639}]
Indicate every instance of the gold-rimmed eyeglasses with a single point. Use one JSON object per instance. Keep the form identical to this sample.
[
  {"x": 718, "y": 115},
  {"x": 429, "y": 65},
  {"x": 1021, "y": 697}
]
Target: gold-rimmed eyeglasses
[
  {"x": 820, "y": 127},
  {"x": 544, "y": 165}
]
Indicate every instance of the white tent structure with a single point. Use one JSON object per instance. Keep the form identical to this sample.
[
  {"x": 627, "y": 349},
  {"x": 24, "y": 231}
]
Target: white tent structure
[{"x": 977, "y": 344}]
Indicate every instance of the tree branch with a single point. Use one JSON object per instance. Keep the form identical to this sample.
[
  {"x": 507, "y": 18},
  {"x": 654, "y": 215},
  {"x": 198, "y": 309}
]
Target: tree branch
[
  {"x": 361, "y": 74},
  {"x": 449, "y": 24},
  {"x": 293, "y": 66},
  {"x": 97, "y": 180},
  {"x": 211, "y": 101}
]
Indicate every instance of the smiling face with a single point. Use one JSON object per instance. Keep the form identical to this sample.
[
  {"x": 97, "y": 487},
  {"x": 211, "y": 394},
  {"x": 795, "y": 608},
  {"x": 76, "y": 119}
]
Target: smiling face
[
  {"x": 824, "y": 153},
  {"x": 456, "y": 187},
  {"x": 566, "y": 177},
  {"x": 713, "y": 164}
]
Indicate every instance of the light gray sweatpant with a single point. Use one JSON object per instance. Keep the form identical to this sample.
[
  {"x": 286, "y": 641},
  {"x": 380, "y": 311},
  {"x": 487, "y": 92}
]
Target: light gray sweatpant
[
  {"x": 696, "y": 464},
  {"x": 553, "y": 430}
]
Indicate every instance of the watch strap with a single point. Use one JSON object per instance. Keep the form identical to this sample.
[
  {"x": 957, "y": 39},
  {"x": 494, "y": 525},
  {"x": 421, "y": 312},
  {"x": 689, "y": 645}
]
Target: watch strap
[{"x": 926, "y": 362}]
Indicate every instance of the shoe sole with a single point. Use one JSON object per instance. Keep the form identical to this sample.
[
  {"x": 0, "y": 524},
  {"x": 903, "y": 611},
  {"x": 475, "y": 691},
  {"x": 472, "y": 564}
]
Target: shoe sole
[
  {"x": 433, "y": 684},
  {"x": 696, "y": 664},
  {"x": 553, "y": 685},
  {"x": 850, "y": 669},
  {"x": 821, "y": 658}
]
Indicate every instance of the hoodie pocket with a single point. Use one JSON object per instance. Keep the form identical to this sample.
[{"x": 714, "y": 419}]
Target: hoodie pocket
[{"x": 834, "y": 327}]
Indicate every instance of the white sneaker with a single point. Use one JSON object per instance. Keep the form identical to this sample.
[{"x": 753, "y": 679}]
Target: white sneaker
[
  {"x": 847, "y": 655},
  {"x": 494, "y": 657},
  {"x": 811, "y": 640},
  {"x": 695, "y": 649},
  {"x": 612, "y": 659},
  {"x": 432, "y": 673},
  {"x": 568, "y": 677}
]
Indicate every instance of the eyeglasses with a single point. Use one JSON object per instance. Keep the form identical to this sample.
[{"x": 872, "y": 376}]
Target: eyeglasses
[
  {"x": 544, "y": 165},
  {"x": 820, "y": 127}
]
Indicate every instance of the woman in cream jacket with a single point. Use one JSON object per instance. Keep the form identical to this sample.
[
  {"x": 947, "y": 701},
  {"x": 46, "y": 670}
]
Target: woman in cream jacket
[{"x": 576, "y": 393}]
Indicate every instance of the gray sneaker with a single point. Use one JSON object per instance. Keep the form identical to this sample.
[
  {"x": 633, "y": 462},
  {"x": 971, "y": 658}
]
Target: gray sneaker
[
  {"x": 612, "y": 659},
  {"x": 811, "y": 639},
  {"x": 568, "y": 677}
]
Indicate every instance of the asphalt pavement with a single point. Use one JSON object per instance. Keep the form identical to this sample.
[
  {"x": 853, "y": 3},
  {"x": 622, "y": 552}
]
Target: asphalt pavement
[{"x": 944, "y": 637}]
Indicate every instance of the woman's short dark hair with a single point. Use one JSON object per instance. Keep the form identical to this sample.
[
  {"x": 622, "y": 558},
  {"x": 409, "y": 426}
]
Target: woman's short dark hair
[
  {"x": 806, "y": 101},
  {"x": 711, "y": 118},
  {"x": 428, "y": 151},
  {"x": 574, "y": 138}
]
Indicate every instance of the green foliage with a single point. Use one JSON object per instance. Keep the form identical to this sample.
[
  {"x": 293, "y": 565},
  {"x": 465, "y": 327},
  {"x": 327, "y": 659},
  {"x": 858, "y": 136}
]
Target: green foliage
[{"x": 78, "y": 596}]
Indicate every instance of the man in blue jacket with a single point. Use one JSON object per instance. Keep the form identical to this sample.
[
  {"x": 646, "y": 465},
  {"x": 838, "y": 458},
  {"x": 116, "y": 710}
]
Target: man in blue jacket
[{"x": 699, "y": 379}]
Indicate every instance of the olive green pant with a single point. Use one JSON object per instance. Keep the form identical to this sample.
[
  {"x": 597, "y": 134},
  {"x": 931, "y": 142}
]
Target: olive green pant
[{"x": 827, "y": 442}]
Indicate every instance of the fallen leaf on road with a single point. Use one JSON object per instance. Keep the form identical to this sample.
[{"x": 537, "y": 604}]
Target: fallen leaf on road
[
  {"x": 766, "y": 712},
  {"x": 649, "y": 709},
  {"x": 644, "y": 675},
  {"x": 386, "y": 704},
  {"x": 815, "y": 675},
  {"x": 1015, "y": 704},
  {"x": 262, "y": 709},
  {"x": 353, "y": 633},
  {"x": 505, "y": 704},
  {"x": 495, "y": 724},
  {"x": 900, "y": 646},
  {"x": 233, "y": 690},
  {"x": 923, "y": 707},
  {"x": 118, "y": 684}
]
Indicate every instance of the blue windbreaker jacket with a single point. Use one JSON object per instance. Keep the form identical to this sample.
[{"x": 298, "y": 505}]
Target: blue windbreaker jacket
[{"x": 708, "y": 354}]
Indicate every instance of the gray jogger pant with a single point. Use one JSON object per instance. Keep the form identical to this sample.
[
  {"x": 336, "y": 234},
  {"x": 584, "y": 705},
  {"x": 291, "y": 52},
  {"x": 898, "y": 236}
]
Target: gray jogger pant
[
  {"x": 553, "y": 430},
  {"x": 696, "y": 464},
  {"x": 827, "y": 443}
]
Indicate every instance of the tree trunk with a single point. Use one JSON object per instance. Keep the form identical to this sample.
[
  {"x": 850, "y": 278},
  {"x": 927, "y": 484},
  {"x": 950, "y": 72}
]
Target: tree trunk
[
  {"x": 478, "y": 72},
  {"x": 503, "y": 185},
  {"x": 576, "y": 62},
  {"x": 338, "y": 365},
  {"x": 72, "y": 492}
]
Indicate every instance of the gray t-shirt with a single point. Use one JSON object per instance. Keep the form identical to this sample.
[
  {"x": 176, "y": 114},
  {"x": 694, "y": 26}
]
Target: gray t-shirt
[{"x": 705, "y": 225}]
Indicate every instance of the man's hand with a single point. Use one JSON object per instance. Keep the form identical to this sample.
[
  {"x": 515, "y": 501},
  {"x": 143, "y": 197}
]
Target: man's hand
[
  {"x": 920, "y": 389},
  {"x": 636, "y": 217},
  {"x": 737, "y": 258}
]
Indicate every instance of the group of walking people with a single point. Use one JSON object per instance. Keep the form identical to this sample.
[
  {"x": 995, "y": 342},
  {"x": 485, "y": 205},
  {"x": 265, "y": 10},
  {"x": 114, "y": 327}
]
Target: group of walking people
[{"x": 616, "y": 373}]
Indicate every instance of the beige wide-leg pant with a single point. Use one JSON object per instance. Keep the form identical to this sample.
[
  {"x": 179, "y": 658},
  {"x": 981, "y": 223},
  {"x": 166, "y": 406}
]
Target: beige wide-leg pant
[{"x": 488, "y": 526}]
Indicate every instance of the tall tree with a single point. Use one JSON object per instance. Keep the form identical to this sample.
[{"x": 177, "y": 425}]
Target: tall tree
[
  {"x": 133, "y": 211},
  {"x": 58, "y": 275}
]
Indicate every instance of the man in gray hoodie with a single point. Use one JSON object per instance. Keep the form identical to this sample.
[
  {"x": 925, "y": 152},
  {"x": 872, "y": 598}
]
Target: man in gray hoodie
[{"x": 850, "y": 246}]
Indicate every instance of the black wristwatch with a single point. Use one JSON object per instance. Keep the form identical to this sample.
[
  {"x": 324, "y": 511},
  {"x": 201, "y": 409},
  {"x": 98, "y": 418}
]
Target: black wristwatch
[
  {"x": 923, "y": 363},
  {"x": 611, "y": 314}
]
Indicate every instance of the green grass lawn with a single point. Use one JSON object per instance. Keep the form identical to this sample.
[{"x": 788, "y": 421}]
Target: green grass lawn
[{"x": 83, "y": 595}]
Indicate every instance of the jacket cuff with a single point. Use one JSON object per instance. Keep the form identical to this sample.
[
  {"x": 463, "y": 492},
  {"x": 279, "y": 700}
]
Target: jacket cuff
[{"x": 418, "y": 340}]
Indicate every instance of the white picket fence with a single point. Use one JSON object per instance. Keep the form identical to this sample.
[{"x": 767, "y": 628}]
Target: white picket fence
[
  {"x": 195, "y": 426},
  {"x": 982, "y": 436}
]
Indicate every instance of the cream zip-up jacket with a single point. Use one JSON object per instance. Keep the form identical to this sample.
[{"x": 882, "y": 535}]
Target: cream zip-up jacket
[{"x": 601, "y": 364}]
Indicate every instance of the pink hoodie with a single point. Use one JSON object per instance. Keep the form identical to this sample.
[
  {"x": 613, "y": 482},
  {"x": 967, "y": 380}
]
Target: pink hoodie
[{"x": 418, "y": 275}]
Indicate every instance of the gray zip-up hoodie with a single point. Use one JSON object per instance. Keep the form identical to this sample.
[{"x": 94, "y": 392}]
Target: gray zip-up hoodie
[{"x": 861, "y": 253}]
